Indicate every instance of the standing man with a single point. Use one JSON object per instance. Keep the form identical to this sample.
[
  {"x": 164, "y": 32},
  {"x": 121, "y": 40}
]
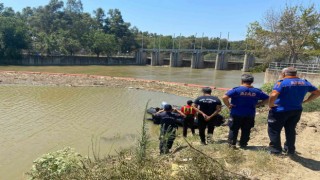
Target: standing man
[
  {"x": 244, "y": 100},
  {"x": 210, "y": 106},
  {"x": 168, "y": 127},
  {"x": 286, "y": 107},
  {"x": 190, "y": 113}
]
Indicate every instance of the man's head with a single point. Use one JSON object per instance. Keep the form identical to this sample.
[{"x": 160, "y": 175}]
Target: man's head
[
  {"x": 189, "y": 102},
  {"x": 206, "y": 90},
  {"x": 247, "y": 79},
  {"x": 167, "y": 107},
  {"x": 289, "y": 71}
]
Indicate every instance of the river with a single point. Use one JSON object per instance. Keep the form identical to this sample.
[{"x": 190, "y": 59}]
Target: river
[
  {"x": 38, "y": 119},
  {"x": 208, "y": 77}
]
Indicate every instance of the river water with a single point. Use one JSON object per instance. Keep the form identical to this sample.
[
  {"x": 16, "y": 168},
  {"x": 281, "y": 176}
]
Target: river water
[
  {"x": 36, "y": 120},
  {"x": 208, "y": 77}
]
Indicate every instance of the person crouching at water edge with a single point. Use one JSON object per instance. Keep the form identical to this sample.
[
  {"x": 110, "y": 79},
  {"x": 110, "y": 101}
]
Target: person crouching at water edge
[
  {"x": 286, "y": 107},
  {"x": 190, "y": 113},
  {"x": 210, "y": 106},
  {"x": 168, "y": 127},
  {"x": 244, "y": 100}
]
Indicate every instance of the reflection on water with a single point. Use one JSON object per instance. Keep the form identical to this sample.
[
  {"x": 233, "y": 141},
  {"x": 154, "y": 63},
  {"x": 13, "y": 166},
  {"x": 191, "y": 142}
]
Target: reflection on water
[
  {"x": 209, "y": 77},
  {"x": 36, "y": 120}
]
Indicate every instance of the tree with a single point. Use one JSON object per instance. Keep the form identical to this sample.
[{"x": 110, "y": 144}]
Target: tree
[
  {"x": 114, "y": 24},
  {"x": 102, "y": 43},
  {"x": 13, "y": 37},
  {"x": 290, "y": 33},
  {"x": 99, "y": 17}
]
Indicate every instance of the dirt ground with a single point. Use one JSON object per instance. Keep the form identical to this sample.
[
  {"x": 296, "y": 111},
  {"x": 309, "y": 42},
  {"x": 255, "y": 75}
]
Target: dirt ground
[{"x": 306, "y": 164}]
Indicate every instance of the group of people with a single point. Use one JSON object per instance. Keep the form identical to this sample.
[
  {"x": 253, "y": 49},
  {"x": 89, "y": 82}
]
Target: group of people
[{"x": 285, "y": 108}]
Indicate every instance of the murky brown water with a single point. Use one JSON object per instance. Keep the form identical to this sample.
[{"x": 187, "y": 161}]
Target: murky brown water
[
  {"x": 225, "y": 79},
  {"x": 35, "y": 120}
]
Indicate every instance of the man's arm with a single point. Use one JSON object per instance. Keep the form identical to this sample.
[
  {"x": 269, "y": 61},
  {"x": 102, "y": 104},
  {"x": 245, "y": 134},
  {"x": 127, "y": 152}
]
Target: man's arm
[
  {"x": 263, "y": 102},
  {"x": 225, "y": 100},
  {"x": 199, "y": 111},
  {"x": 216, "y": 112},
  {"x": 273, "y": 96},
  {"x": 181, "y": 113},
  {"x": 159, "y": 112},
  {"x": 314, "y": 95}
]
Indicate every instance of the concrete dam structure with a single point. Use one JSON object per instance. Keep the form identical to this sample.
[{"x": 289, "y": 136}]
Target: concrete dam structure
[{"x": 195, "y": 58}]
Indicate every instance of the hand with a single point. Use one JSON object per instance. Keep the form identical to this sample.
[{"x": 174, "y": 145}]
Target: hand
[
  {"x": 272, "y": 106},
  {"x": 231, "y": 106},
  {"x": 207, "y": 118}
]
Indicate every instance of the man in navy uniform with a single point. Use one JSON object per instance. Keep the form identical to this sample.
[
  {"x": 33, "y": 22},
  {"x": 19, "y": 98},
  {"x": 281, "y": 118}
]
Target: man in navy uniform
[
  {"x": 168, "y": 123},
  {"x": 244, "y": 100},
  {"x": 286, "y": 107},
  {"x": 210, "y": 106}
]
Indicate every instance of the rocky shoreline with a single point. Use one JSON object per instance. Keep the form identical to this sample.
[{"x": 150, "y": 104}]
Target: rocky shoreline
[{"x": 83, "y": 80}]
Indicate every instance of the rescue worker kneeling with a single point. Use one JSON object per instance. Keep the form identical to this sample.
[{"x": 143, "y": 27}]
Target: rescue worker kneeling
[{"x": 168, "y": 123}]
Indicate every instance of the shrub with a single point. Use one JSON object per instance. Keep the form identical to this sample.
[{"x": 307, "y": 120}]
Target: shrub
[
  {"x": 312, "y": 106},
  {"x": 267, "y": 87},
  {"x": 61, "y": 164},
  {"x": 259, "y": 68}
]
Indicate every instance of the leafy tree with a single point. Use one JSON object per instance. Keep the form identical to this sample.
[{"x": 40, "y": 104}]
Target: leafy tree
[
  {"x": 290, "y": 33},
  {"x": 114, "y": 24},
  {"x": 102, "y": 43},
  {"x": 13, "y": 37}
]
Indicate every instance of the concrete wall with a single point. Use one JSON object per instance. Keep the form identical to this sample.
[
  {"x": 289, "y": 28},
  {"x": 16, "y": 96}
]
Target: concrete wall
[
  {"x": 273, "y": 75},
  {"x": 71, "y": 60}
]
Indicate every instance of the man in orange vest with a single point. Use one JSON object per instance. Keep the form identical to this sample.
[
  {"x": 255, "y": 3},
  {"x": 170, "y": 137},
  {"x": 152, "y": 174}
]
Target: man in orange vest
[{"x": 190, "y": 113}]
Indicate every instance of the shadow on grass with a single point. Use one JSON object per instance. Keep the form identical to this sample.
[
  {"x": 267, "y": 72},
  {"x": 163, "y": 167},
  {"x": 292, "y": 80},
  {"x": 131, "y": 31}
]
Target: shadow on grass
[{"x": 306, "y": 162}]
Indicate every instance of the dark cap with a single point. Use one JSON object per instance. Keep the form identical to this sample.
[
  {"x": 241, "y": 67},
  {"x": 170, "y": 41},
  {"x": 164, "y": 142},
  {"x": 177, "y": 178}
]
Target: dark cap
[
  {"x": 247, "y": 78},
  {"x": 189, "y": 102},
  {"x": 167, "y": 107},
  {"x": 207, "y": 90}
]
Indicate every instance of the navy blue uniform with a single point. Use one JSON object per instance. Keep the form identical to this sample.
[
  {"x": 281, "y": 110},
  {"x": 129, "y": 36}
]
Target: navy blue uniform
[
  {"x": 287, "y": 112},
  {"x": 168, "y": 123},
  {"x": 244, "y": 100},
  {"x": 208, "y": 105}
]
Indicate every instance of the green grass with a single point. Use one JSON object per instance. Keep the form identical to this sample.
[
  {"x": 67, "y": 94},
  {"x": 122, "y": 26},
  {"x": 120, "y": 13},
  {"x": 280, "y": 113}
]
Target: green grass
[{"x": 312, "y": 106}]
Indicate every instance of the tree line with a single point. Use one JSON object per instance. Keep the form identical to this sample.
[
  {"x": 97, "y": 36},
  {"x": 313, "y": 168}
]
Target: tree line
[{"x": 63, "y": 28}]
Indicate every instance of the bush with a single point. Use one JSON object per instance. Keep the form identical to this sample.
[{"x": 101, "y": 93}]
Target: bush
[
  {"x": 267, "y": 87},
  {"x": 62, "y": 164},
  {"x": 312, "y": 106},
  {"x": 259, "y": 68}
]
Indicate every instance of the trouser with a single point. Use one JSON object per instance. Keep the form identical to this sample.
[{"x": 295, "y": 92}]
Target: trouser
[
  {"x": 167, "y": 137},
  {"x": 202, "y": 125},
  {"x": 188, "y": 123},
  {"x": 243, "y": 123},
  {"x": 278, "y": 120}
]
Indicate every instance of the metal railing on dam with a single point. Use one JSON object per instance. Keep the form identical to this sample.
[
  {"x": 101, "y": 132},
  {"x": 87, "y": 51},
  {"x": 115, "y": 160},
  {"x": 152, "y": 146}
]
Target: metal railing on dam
[{"x": 303, "y": 68}]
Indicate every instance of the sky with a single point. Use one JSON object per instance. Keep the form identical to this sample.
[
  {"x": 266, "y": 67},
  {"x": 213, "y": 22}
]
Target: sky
[{"x": 188, "y": 17}]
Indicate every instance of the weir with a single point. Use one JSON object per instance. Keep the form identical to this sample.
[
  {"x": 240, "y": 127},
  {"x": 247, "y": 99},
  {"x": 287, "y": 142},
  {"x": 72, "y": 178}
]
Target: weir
[{"x": 222, "y": 61}]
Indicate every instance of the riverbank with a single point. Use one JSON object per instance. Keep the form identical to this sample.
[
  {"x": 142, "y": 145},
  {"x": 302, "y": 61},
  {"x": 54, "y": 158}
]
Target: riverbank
[{"x": 82, "y": 80}]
